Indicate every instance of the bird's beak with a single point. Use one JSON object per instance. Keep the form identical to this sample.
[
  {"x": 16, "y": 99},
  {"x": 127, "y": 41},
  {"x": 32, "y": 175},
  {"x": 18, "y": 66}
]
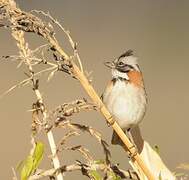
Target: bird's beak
[{"x": 111, "y": 65}]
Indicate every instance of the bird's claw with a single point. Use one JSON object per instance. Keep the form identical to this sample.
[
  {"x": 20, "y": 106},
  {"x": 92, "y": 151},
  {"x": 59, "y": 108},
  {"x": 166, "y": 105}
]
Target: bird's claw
[
  {"x": 110, "y": 121},
  {"x": 134, "y": 152}
]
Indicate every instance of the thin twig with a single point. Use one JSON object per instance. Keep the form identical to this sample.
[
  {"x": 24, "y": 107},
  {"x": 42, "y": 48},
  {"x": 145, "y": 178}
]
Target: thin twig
[
  {"x": 14, "y": 174},
  {"x": 83, "y": 128},
  {"x": 84, "y": 152},
  {"x": 25, "y": 81},
  {"x": 78, "y": 166},
  {"x": 73, "y": 44}
]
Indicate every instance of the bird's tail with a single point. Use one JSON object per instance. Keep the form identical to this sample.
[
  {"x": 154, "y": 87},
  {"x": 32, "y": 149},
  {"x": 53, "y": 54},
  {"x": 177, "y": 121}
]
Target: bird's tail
[{"x": 115, "y": 139}]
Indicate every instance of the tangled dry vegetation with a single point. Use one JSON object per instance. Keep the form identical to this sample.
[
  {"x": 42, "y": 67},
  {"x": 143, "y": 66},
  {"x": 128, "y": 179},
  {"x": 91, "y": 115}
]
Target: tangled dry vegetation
[{"x": 45, "y": 121}]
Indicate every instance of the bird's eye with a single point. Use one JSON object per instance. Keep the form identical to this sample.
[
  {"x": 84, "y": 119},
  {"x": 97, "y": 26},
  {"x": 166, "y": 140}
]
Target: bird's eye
[{"x": 120, "y": 63}]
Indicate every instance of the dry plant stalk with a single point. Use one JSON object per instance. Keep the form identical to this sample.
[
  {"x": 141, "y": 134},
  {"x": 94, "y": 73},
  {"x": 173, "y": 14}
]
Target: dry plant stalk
[
  {"x": 79, "y": 166},
  {"x": 23, "y": 21},
  {"x": 25, "y": 53}
]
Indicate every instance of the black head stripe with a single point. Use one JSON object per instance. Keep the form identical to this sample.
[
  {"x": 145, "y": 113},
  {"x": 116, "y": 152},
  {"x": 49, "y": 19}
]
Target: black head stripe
[
  {"x": 126, "y": 54},
  {"x": 125, "y": 69},
  {"x": 131, "y": 67}
]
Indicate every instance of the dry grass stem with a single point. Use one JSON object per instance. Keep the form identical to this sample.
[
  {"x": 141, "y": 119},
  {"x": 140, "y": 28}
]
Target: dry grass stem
[
  {"x": 84, "y": 168},
  {"x": 24, "y": 51},
  {"x": 71, "y": 108},
  {"x": 14, "y": 174},
  {"x": 76, "y": 130},
  {"x": 72, "y": 43},
  {"x": 26, "y": 81}
]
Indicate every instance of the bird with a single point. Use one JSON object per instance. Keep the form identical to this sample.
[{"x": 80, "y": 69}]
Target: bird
[{"x": 125, "y": 95}]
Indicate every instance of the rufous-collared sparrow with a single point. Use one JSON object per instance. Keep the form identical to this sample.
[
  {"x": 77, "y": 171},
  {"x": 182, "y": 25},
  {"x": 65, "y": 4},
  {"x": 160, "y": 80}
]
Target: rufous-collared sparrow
[{"x": 125, "y": 95}]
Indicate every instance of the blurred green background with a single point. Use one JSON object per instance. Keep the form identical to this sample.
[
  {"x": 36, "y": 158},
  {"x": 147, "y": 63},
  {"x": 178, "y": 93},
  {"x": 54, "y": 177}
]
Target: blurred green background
[{"x": 157, "y": 31}]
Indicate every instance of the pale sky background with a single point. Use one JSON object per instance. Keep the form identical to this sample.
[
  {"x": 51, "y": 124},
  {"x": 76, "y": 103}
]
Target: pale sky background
[{"x": 157, "y": 31}]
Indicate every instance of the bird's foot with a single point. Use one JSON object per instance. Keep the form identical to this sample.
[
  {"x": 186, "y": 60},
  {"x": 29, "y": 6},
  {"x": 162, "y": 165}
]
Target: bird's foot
[
  {"x": 133, "y": 151},
  {"x": 110, "y": 121}
]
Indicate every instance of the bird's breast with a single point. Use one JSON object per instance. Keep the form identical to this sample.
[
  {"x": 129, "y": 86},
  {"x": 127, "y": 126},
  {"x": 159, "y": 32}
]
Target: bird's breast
[{"x": 126, "y": 102}]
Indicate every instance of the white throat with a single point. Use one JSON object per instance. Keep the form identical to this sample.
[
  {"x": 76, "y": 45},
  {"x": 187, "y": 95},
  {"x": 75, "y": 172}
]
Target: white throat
[{"x": 116, "y": 74}]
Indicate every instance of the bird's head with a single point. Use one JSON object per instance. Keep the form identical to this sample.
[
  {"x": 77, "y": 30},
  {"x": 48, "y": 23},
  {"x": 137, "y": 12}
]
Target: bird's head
[{"x": 123, "y": 65}]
